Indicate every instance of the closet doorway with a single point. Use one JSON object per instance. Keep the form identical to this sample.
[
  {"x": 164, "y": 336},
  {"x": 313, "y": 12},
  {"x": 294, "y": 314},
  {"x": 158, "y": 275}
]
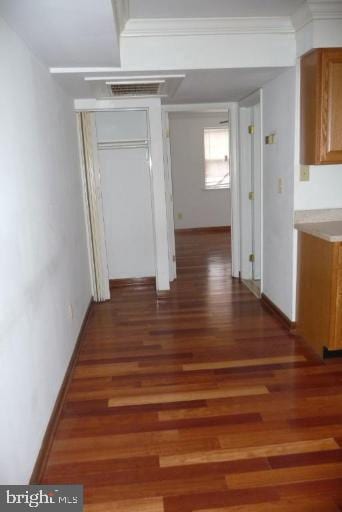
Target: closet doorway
[{"x": 124, "y": 159}]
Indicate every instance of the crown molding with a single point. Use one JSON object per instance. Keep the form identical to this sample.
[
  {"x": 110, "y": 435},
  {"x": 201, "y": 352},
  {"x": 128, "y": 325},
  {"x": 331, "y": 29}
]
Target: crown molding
[
  {"x": 325, "y": 10},
  {"x": 160, "y": 27},
  {"x": 315, "y": 11},
  {"x": 121, "y": 13}
]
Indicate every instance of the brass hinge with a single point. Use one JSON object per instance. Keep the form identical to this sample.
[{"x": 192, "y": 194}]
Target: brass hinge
[
  {"x": 251, "y": 196},
  {"x": 251, "y": 258},
  {"x": 251, "y": 129}
]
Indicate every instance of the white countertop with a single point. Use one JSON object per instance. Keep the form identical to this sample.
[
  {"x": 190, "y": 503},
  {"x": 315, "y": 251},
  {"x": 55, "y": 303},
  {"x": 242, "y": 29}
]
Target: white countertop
[{"x": 330, "y": 231}]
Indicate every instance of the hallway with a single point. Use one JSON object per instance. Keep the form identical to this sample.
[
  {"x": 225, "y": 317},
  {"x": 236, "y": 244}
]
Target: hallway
[{"x": 201, "y": 401}]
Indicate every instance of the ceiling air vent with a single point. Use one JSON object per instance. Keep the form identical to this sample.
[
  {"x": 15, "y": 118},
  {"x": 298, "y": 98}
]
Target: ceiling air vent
[{"x": 151, "y": 88}]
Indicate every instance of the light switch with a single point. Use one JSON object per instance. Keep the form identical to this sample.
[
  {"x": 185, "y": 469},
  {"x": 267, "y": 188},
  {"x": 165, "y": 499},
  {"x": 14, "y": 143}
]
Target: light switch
[
  {"x": 304, "y": 173},
  {"x": 280, "y": 185}
]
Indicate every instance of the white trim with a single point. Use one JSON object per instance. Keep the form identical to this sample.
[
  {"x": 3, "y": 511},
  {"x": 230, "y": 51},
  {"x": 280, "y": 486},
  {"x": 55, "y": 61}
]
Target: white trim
[
  {"x": 159, "y": 196},
  {"x": 233, "y": 117},
  {"x": 169, "y": 195},
  {"x": 113, "y": 81},
  {"x": 202, "y": 108},
  {"x": 81, "y": 70},
  {"x": 261, "y": 99},
  {"x": 325, "y": 10},
  {"x": 153, "y": 107},
  {"x": 245, "y": 205},
  {"x": 316, "y": 10},
  {"x": 94, "y": 105},
  {"x": 246, "y": 155},
  {"x": 301, "y": 17},
  {"x": 147, "y": 27},
  {"x": 131, "y": 77},
  {"x": 86, "y": 204},
  {"x": 231, "y": 110},
  {"x": 92, "y": 180}
]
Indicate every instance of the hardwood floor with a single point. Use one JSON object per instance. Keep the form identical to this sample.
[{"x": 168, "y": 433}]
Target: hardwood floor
[{"x": 199, "y": 402}]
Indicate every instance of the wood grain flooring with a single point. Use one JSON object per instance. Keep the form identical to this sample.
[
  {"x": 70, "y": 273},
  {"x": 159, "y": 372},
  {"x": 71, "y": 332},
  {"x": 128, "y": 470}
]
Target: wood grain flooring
[{"x": 200, "y": 401}]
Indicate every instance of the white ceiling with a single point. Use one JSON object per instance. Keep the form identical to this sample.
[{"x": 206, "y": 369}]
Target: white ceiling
[
  {"x": 211, "y": 8},
  {"x": 220, "y": 85},
  {"x": 66, "y": 33},
  {"x": 85, "y": 34},
  {"x": 199, "y": 86}
]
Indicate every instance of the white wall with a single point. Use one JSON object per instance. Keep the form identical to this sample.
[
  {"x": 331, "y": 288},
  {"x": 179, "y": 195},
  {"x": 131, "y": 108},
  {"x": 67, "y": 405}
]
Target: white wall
[
  {"x": 199, "y": 207},
  {"x": 183, "y": 49},
  {"x": 322, "y": 191},
  {"x": 43, "y": 259},
  {"x": 279, "y": 103}
]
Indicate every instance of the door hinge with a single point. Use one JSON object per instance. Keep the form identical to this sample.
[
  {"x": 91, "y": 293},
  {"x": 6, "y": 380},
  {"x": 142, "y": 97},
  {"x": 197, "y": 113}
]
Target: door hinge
[
  {"x": 251, "y": 129},
  {"x": 174, "y": 257},
  {"x": 251, "y": 196},
  {"x": 251, "y": 258}
]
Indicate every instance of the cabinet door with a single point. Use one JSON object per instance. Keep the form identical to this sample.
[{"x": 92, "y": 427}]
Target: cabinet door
[
  {"x": 335, "y": 342},
  {"x": 337, "y": 338},
  {"x": 331, "y": 134}
]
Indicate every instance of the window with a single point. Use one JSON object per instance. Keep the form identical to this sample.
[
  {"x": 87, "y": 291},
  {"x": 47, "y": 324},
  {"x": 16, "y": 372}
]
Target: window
[{"x": 216, "y": 151}]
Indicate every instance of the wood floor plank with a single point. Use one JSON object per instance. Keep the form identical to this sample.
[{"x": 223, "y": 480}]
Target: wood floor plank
[
  {"x": 277, "y": 435},
  {"x": 143, "y": 505},
  {"x": 281, "y": 476},
  {"x": 198, "y": 401},
  {"x": 186, "y": 395},
  {"x": 249, "y": 452},
  {"x": 292, "y": 505},
  {"x": 243, "y": 363}
]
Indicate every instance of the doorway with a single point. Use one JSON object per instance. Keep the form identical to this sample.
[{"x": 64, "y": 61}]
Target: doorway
[
  {"x": 198, "y": 145},
  {"x": 124, "y": 156}
]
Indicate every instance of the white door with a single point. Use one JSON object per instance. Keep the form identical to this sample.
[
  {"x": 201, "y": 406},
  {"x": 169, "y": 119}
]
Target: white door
[
  {"x": 256, "y": 189},
  {"x": 127, "y": 208},
  {"x": 250, "y": 197}
]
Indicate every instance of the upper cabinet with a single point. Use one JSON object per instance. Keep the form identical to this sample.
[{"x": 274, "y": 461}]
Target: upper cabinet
[{"x": 321, "y": 107}]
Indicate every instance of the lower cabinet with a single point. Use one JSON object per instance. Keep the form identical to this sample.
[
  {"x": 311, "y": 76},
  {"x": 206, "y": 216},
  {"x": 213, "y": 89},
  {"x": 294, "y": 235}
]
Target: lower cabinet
[{"x": 319, "y": 293}]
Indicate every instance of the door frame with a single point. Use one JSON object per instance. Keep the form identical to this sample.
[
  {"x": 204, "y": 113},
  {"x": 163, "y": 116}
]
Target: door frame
[
  {"x": 161, "y": 243},
  {"x": 169, "y": 194},
  {"x": 231, "y": 109},
  {"x": 246, "y": 155}
]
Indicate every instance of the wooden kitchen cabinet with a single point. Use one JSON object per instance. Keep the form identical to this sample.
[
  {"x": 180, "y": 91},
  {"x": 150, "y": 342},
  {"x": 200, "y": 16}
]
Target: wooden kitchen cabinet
[
  {"x": 319, "y": 304},
  {"x": 321, "y": 107}
]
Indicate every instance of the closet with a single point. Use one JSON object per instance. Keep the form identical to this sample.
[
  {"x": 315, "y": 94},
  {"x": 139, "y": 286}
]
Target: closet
[{"x": 125, "y": 169}]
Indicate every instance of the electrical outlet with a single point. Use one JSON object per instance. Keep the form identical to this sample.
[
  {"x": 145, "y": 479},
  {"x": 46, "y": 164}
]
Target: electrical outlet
[
  {"x": 179, "y": 216},
  {"x": 304, "y": 173}
]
